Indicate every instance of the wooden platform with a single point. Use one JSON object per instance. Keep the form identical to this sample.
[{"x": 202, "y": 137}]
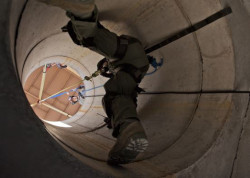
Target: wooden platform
[{"x": 56, "y": 80}]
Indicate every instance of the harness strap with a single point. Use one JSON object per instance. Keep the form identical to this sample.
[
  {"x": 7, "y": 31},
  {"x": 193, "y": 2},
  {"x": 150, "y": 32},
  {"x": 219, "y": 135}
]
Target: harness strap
[
  {"x": 122, "y": 46},
  {"x": 136, "y": 74}
]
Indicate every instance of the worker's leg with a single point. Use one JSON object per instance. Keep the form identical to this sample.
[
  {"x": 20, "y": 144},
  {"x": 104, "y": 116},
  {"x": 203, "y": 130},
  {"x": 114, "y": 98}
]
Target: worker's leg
[
  {"x": 85, "y": 26},
  {"x": 120, "y": 95},
  {"x": 91, "y": 34},
  {"x": 87, "y": 31},
  {"x": 131, "y": 138}
]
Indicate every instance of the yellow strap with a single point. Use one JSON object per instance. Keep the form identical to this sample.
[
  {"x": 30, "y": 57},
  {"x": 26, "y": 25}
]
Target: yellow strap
[
  {"x": 42, "y": 82},
  {"x": 62, "y": 90}
]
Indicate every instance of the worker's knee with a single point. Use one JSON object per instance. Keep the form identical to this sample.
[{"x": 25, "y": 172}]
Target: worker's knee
[
  {"x": 84, "y": 28},
  {"x": 122, "y": 84}
]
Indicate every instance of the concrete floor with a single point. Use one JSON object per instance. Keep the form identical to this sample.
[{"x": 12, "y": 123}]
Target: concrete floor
[{"x": 191, "y": 135}]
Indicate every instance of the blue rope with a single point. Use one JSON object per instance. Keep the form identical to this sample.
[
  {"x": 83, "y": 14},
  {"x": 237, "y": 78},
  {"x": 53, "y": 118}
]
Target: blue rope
[
  {"x": 60, "y": 94},
  {"x": 55, "y": 96},
  {"x": 154, "y": 64},
  {"x": 92, "y": 88},
  {"x": 150, "y": 73}
]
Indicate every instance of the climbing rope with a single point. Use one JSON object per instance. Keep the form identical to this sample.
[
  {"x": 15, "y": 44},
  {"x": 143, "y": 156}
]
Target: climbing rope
[
  {"x": 60, "y": 94},
  {"x": 184, "y": 92}
]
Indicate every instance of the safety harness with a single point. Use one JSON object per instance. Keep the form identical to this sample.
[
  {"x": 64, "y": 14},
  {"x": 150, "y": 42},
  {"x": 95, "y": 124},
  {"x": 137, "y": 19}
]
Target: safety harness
[{"x": 122, "y": 45}]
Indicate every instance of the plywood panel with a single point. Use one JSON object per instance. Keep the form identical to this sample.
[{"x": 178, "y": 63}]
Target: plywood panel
[{"x": 56, "y": 80}]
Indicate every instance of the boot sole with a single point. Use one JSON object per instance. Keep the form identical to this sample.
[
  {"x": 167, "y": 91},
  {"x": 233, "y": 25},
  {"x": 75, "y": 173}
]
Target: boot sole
[
  {"x": 137, "y": 145},
  {"x": 134, "y": 147}
]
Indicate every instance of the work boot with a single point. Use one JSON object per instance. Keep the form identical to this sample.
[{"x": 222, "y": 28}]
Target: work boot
[
  {"x": 130, "y": 142},
  {"x": 80, "y": 8}
]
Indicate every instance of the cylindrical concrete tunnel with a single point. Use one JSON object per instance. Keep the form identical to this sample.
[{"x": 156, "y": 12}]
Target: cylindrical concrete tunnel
[{"x": 190, "y": 134}]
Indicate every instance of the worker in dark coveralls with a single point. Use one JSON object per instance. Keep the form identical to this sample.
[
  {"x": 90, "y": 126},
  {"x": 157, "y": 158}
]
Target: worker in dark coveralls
[{"x": 126, "y": 64}]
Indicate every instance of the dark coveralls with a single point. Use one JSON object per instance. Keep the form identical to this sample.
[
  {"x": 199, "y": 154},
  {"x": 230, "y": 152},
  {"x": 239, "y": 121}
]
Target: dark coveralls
[{"x": 127, "y": 61}]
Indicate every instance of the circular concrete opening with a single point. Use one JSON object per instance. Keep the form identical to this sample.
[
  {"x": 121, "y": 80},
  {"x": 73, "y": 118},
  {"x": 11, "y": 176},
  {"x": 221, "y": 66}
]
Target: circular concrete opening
[
  {"x": 53, "y": 83},
  {"x": 74, "y": 68}
]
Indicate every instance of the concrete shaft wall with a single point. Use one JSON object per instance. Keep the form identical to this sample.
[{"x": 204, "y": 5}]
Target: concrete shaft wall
[{"x": 191, "y": 135}]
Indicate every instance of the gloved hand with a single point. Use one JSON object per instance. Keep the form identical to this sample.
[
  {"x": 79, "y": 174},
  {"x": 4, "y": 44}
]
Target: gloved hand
[{"x": 102, "y": 66}]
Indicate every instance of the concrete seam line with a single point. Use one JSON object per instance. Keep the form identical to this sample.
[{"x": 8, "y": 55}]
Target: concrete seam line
[
  {"x": 16, "y": 35},
  {"x": 240, "y": 137},
  {"x": 73, "y": 149},
  {"x": 30, "y": 51}
]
